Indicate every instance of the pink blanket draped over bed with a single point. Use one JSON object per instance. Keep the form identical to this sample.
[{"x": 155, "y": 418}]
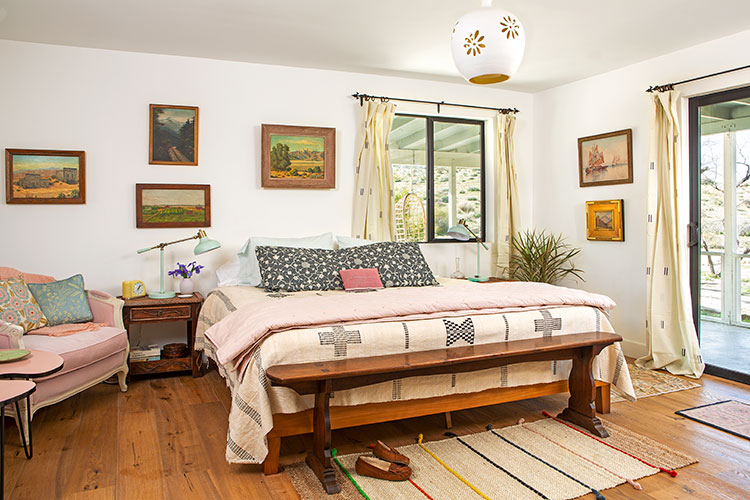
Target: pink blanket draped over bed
[{"x": 238, "y": 334}]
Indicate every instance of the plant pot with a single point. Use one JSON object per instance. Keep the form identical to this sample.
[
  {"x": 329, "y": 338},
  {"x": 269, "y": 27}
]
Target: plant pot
[{"x": 186, "y": 286}]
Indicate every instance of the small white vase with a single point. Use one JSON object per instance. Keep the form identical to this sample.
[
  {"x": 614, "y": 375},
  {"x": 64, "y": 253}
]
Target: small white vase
[{"x": 186, "y": 286}]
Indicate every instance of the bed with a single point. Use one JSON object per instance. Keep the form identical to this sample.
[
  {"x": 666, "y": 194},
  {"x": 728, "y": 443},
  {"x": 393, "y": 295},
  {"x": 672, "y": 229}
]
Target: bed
[{"x": 261, "y": 414}]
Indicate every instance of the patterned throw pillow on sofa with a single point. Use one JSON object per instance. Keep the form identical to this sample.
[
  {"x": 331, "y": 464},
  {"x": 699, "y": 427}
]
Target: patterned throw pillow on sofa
[
  {"x": 298, "y": 269},
  {"x": 17, "y": 305},
  {"x": 63, "y": 301}
]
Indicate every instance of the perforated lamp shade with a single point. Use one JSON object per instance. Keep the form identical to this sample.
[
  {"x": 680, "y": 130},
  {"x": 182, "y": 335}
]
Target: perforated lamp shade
[{"x": 487, "y": 45}]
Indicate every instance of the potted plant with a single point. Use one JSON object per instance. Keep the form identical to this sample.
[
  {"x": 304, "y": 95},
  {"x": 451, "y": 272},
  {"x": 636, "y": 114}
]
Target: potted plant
[
  {"x": 542, "y": 257},
  {"x": 186, "y": 272}
]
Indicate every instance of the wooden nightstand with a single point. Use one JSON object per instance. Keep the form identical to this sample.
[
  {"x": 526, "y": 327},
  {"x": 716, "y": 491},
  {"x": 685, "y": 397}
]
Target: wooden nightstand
[{"x": 146, "y": 310}]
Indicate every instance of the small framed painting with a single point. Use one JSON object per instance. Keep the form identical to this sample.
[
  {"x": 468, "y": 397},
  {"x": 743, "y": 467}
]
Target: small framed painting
[
  {"x": 173, "y": 135},
  {"x": 172, "y": 205},
  {"x": 45, "y": 176},
  {"x": 604, "y": 220},
  {"x": 606, "y": 159},
  {"x": 298, "y": 157}
]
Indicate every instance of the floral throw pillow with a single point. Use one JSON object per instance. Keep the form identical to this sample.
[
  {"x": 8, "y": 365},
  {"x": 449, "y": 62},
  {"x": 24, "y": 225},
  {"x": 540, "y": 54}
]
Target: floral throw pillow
[
  {"x": 63, "y": 301},
  {"x": 398, "y": 263},
  {"x": 298, "y": 269},
  {"x": 18, "y": 306}
]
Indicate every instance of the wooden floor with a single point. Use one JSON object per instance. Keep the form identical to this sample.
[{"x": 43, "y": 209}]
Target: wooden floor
[{"x": 165, "y": 438}]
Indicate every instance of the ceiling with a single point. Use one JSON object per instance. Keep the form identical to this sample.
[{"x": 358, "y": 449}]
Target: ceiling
[{"x": 566, "y": 40}]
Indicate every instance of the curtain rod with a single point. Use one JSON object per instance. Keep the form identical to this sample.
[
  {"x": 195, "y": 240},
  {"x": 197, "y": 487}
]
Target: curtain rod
[
  {"x": 367, "y": 97},
  {"x": 670, "y": 86}
]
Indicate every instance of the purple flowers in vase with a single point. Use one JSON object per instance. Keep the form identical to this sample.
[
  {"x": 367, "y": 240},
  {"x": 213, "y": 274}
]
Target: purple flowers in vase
[{"x": 186, "y": 271}]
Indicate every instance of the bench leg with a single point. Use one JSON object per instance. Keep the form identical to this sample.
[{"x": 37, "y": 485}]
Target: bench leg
[
  {"x": 320, "y": 458},
  {"x": 271, "y": 463},
  {"x": 602, "y": 398},
  {"x": 580, "y": 410},
  {"x": 448, "y": 420}
]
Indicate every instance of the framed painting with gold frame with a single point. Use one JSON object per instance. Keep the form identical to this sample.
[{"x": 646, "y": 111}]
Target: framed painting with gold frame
[
  {"x": 605, "y": 221},
  {"x": 173, "y": 135},
  {"x": 45, "y": 176},
  {"x": 298, "y": 157},
  {"x": 606, "y": 159}
]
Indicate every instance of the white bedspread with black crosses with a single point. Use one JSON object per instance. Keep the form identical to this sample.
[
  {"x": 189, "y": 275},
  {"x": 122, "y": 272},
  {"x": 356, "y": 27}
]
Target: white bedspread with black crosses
[{"x": 254, "y": 401}]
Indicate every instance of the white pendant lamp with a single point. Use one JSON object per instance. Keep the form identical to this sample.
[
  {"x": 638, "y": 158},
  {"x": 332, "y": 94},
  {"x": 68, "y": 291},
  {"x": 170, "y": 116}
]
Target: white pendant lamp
[{"x": 488, "y": 45}]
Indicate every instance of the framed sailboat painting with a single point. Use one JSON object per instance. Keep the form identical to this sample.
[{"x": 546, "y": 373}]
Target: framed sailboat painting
[{"x": 606, "y": 159}]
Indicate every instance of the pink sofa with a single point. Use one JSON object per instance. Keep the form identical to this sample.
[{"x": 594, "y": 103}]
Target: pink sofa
[{"x": 90, "y": 357}]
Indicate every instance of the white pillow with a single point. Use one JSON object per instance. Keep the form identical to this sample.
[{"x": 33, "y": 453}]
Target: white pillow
[
  {"x": 229, "y": 273},
  {"x": 249, "y": 271},
  {"x": 348, "y": 242}
]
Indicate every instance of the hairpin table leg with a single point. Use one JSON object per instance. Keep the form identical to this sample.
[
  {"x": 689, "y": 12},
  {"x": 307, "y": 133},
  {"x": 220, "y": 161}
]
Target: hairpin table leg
[
  {"x": 28, "y": 450},
  {"x": 2, "y": 452}
]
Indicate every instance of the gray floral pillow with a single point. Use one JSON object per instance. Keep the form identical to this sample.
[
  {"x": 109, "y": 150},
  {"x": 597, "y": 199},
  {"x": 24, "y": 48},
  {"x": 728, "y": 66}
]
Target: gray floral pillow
[
  {"x": 298, "y": 269},
  {"x": 398, "y": 263}
]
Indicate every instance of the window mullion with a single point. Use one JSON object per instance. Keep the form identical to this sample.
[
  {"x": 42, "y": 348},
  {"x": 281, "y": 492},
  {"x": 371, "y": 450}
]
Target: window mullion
[{"x": 430, "y": 157}]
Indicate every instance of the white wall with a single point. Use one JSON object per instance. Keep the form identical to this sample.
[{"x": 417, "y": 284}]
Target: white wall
[
  {"x": 54, "y": 97},
  {"x": 604, "y": 103}
]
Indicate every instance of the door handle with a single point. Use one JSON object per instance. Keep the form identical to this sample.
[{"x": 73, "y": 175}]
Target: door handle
[{"x": 693, "y": 234}]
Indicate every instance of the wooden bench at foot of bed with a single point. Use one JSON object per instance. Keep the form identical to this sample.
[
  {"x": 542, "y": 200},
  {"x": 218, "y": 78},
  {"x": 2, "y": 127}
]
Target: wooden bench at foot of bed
[{"x": 321, "y": 378}]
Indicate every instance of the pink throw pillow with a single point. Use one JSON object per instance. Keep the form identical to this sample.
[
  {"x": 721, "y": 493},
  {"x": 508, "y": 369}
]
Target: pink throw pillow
[{"x": 361, "y": 279}]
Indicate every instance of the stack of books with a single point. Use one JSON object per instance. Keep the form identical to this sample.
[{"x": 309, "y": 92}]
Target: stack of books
[{"x": 145, "y": 353}]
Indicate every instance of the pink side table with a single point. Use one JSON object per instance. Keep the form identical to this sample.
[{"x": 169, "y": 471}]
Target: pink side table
[
  {"x": 11, "y": 391},
  {"x": 36, "y": 365}
]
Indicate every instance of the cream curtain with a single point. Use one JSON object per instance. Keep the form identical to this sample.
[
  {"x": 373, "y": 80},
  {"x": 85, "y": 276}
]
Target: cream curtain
[
  {"x": 672, "y": 340},
  {"x": 506, "y": 197},
  {"x": 373, "y": 200}
]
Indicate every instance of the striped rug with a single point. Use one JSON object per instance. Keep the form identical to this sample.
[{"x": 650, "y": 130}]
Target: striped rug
[
  {"x": 647, "y": 383},
  {"x": 545, "y": 459}
]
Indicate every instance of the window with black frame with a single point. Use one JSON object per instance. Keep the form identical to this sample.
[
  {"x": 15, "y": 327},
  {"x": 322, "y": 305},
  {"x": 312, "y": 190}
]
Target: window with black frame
[{"x": 438, "y": 173}]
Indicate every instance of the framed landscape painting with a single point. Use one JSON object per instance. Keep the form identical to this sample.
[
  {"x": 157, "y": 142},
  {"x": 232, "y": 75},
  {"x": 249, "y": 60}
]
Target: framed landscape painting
[
  {"x": 298, "y": 157},
  {"x": 172, "y": 205},
  {"x": 173, "y": 135},
  {"x": 606, "y": 159},
  {"x": 604, "y": 220},
  {"x": 45, "y": 176}
]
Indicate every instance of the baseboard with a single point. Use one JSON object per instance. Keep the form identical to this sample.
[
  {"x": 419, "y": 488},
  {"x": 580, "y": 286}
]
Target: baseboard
[{"x": 634, "y": 349}]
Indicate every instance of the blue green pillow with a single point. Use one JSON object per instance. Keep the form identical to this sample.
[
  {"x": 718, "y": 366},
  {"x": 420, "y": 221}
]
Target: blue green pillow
[{"x": 63, "y": 301}]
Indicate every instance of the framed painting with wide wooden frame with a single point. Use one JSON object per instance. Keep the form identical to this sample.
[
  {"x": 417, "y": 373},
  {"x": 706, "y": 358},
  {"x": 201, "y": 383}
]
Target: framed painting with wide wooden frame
[
  {"x": 172, "y": 135},
  {"x": 605, "y": 221},
  {"x": 298, "y": 157},
  {"x": 45, "y": 176},
  {"x": 172, "y": 205},
  {"x": 606, "y": 159}
]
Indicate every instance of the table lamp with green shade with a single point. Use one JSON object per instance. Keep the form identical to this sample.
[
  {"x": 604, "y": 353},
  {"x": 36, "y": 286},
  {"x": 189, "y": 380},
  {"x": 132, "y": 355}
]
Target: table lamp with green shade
[
  {"x": 205, "y": 244},
  {"x": 462, "y": 232}
]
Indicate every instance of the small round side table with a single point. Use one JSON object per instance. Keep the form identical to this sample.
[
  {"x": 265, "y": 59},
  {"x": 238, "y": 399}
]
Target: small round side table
[
  {"x": 11, "y": 391},
  {"x": 36, "y": 365}
]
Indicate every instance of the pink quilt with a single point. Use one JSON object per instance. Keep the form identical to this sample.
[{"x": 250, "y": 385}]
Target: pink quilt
[{"x": 239, "y": 334}]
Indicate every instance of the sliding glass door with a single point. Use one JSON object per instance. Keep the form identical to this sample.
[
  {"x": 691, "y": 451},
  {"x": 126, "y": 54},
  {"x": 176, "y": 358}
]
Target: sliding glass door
[{"x": 720, "y": 223}]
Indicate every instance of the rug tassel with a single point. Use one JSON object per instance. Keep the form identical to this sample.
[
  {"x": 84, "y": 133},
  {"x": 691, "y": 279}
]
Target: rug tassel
[
  {"x": 598, "y": 495},
  {"x": 672, "y": 473},
  {"x": 450, "y": 434},
  {"x": 635, "y": 485}
]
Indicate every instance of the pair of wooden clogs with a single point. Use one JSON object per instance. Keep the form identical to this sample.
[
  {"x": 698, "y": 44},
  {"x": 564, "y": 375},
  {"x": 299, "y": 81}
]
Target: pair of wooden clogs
[{"x": 387, "y": 464}]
